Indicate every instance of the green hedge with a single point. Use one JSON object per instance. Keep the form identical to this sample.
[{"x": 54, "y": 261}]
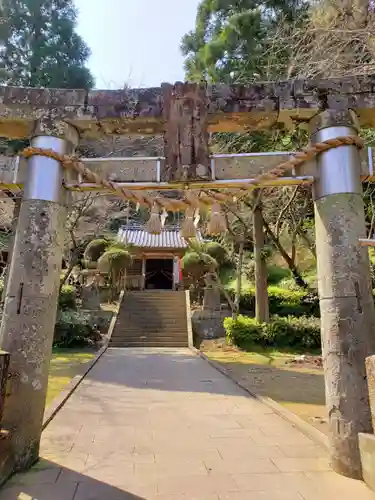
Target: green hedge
[
  {"x": 68, "y": 298},
  {"x": 283, "y": 302},
  {"x": 74, "y": 329},
  {"x": 280, "y": 332}
]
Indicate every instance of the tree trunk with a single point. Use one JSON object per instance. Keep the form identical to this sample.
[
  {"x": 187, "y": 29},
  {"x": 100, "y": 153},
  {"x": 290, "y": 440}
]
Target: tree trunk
[
  {"x": 293, "y": 268},
  {"x": 261, "y": 292},
  {"x": 238, "y": 282},
  {"x": 308, "y": 243}
]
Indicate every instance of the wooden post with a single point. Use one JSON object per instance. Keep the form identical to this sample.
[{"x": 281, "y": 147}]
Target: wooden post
[
  {"x": 346, "y": 302},
  {"x": 186, "y": 151}
]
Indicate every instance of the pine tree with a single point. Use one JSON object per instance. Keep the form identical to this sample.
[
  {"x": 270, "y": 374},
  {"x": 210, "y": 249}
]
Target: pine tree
[
  {"x": 40, "y": 47},
  {"x": 233, "y": 39}
]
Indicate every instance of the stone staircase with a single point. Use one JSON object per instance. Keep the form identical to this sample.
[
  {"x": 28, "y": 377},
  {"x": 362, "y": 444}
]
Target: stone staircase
[{"x": 151, "y": 318}]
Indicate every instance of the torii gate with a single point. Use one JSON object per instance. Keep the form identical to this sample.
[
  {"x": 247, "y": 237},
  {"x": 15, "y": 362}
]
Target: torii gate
[{"x": 185, "y": 114}]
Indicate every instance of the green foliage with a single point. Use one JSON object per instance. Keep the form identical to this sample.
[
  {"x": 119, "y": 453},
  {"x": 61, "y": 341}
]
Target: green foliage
[
  {"x": 74, "y": 329},
  {"x": 276, "y": 274},
  {"x": 114, "y": 260},
  {"x": 280, "y": 332},
  {"x": 68, "y": 298},
  {"x": 216, "y": 251},
  {"x": 95, "y": 249},
  {"x": 41, "y": 46},
  {"x": 232, "y": 41},
  {"x": 283, "y": 302},
  {"x": 195, "y": 264}
]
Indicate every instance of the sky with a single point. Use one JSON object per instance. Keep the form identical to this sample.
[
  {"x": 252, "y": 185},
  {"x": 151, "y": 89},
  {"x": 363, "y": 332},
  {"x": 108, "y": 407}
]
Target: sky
[{"x": 135, "y": 42}]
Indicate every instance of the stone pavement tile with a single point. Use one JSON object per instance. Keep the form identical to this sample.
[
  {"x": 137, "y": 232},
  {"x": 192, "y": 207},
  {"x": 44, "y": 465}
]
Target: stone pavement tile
[
  {"x": 194, "y": 485},
  {"x": 72, "y": 461},
  {"x": 216, "y": 423},
  {"x": 235, "y": 449},
  {"x": 290, "y": 481},
  {"x": 191, "y": 496},
  {"x": 183, "y": 445},
  {"x": 256, "y": 409},
  {"x": 290, "y": 438},
  {"x": 113, "y": 473},
  {"x": 172, "y": 468},
  {"x": 308, "y": 451},
  {"x": 109, "y": 446},
  {"x": 246, "y": 422},
  {"x": 248, "y": 464},
  {"x": 119, "y": 456},
  {"x": 240, "y": 433},
  {"x": 281, "y": 428},
  {"x": 301, "y": 464},
  {"x": 46, "y": 474},
  {"x": 39, "y": 492},
  {"x": 100, "y": 491},
  {"x": 165, "y": 456},
  {"x": 144, "y": 449},
  {"x": 329, "y": 485},
  {"x": 261, "y": 495}
]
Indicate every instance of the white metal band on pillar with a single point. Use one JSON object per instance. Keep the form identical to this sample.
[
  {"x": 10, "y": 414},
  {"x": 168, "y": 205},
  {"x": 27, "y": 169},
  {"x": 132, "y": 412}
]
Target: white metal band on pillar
[
  {"x": 45, "y": 175},
  {"x": 338, "y": 168}
]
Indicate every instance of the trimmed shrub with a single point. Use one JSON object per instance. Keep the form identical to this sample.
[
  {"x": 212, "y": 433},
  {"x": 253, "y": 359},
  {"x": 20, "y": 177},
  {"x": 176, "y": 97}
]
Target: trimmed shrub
[
  {"x": 243, "y": 331},
  {"x": 217, "y": 251},
  {"x": 95, "y": 249},
  {"x": 68, "y": 298},
  {"x": 283, "y": 302},
  {"x": 303, "y": 332},
  {"x": 74, "y": 329},
  {"x": 195, "y": 265}
]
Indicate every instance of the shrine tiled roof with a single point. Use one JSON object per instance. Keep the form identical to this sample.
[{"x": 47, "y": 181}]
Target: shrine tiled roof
[{"x": 168, "y": 238}]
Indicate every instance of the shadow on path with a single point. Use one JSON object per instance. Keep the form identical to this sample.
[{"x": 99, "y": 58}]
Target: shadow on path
[{"x": 50, "y": 481}]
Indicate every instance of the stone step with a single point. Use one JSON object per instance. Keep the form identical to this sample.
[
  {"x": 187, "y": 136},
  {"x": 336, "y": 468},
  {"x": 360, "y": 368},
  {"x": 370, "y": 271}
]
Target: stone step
[
  {"x": 157, "y": 338},
  {"x": 151, "y": 319},
  {"x": 137, "y": 335},
  {"x": 150, "y": 326},
  {"x": 150, "y": 343}
]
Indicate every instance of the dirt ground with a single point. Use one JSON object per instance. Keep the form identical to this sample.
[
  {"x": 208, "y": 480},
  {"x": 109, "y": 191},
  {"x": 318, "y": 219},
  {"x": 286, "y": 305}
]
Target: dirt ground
[{"x": 295, "y": 381}]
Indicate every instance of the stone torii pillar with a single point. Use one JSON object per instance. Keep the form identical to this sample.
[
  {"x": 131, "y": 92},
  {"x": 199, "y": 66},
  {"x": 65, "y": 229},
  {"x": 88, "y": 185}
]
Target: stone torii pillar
[
  {"x": 346, "y": 302},
  {"x": 31, "y": 296}
]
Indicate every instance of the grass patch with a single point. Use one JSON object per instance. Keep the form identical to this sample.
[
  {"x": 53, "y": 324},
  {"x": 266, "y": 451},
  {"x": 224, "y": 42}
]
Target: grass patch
[
  {"x": 65, "y": 364},
  {"x": 270, "y": 372}
]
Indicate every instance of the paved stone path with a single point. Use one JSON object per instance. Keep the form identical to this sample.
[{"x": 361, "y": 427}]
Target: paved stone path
[{"x": 164, "y": 424}]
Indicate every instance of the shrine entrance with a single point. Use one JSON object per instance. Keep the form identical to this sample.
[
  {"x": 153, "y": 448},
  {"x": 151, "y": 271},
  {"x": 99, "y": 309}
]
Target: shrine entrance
[
  {"x": 159, "y": 274},
  {"x": 200, "y": 184}
]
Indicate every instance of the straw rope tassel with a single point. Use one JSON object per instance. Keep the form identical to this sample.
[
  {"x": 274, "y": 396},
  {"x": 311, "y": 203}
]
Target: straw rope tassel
[
  {"x": 188, "y": 229},
  {"x": 217, "y": 223},
  {"x": 154, "y": 225}
]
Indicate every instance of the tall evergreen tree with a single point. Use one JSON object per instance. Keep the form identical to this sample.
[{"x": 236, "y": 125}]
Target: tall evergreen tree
[
  {"x": 233, "y": 39},
  {"x": 40, "y": 47}
]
